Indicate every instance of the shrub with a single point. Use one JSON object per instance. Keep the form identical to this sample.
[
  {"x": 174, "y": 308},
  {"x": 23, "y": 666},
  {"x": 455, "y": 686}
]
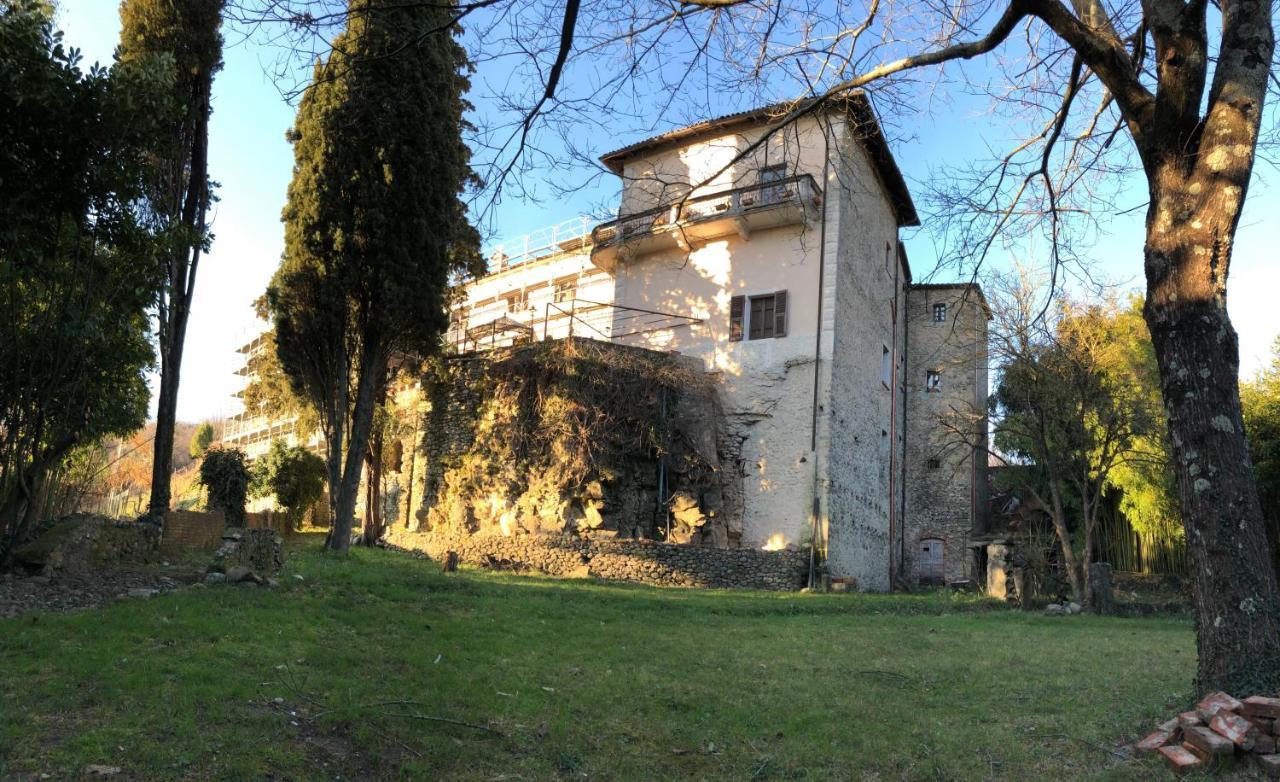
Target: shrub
[
  {"x": 226, "y": 476},
  {"x": 293, "y": 474}
]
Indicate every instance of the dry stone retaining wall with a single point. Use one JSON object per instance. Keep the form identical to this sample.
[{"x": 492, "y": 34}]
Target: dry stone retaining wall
[{"x": 646, "y": 562}]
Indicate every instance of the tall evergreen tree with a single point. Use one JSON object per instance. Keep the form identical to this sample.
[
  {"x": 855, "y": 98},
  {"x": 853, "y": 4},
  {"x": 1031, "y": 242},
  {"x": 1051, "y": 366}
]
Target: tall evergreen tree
[
  {"x": 374, "y": 222},
  {"x": 188, "y": 33}
]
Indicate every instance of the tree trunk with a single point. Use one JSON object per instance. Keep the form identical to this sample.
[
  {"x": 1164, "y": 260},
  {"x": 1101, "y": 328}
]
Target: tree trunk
[
  {"x": 367, "y": 374},
  {"x": 373, "y": 492},
  {"x": 1190, "y": 227},
  {"x": 1064, "y": 540},
  {"x": 166, "y": 416}
]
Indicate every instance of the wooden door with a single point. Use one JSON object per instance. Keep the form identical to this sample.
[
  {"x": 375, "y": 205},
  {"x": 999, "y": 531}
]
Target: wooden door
[{"x": 932, "y": 566}]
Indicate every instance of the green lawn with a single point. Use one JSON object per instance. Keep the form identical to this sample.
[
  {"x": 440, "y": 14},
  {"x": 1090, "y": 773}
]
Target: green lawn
[{"x": 578, "y": 680}]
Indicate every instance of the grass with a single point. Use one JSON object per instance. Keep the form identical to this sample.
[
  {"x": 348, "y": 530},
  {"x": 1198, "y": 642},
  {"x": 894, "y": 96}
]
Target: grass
[{"x": 332, "y": 676}]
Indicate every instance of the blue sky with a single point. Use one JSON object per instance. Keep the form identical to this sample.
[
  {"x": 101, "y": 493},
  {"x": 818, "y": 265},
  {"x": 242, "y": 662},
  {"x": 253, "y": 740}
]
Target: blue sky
[{"x": 251, "y": 161}]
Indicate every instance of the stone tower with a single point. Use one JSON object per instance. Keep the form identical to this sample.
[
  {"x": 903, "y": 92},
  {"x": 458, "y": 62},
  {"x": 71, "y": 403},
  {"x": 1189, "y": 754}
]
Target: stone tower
[{"x": 946, "y": 430}]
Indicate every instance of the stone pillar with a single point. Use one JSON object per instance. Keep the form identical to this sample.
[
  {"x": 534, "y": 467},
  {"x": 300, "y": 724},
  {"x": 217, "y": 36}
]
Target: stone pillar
[{"x": 998, "y": 571}]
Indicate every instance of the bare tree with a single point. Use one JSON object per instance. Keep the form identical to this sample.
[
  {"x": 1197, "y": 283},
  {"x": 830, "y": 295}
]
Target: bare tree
[
  {"x": 1070, "y": 406},
  {"x": 1170, "y": 92}
]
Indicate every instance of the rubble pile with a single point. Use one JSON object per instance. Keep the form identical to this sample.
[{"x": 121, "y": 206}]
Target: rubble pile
[{"x": 1221, "y": 730}]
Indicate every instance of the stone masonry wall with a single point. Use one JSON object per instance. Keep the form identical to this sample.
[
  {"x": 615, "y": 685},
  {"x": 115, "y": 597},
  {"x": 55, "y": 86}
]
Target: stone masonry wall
[
  {"x": 864, "y": 436},
  {"x": 646, "y": 562},
  {"x": 574, "y": 436},
  {"x": 944, "y": 475}
]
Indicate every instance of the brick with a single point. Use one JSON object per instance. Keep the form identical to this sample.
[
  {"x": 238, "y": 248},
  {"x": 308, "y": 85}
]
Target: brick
[
  {"x": 1215, "y": 702},
  {"x": 1207, "y": 741},
  {"x": 1189, "y": 719},
  {"x": 1239, "y": 730},
  {"x": 1154, "y": 741},
  {"x": 1264, "y": 745},
  {"x": 1270, "y": 765},
  {"x": 1168, "y": 726},
  {"x": 1180, "y": 759},
  {"x": 1258, "y": 706}
]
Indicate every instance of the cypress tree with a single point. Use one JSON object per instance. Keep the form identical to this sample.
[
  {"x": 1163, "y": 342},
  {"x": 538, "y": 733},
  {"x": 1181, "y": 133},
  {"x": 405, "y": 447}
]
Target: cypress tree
[
  {"x": 374, "y": 222},
  {"x": 187, "y": 33}
]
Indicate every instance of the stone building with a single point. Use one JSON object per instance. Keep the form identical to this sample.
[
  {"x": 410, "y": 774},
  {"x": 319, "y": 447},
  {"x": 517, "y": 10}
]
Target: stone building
[{"x": 851, "y": 399}]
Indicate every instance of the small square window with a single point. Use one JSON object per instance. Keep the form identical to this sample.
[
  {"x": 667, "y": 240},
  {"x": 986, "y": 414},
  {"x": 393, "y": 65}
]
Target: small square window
[
  {"x": 934, "y": 464},
  {"x": 940, "y": 313},
  {"x": 933, "y": 381}
]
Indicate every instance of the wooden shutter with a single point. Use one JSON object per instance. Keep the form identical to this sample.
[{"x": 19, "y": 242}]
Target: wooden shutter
[
  {"x": 736, "y": 306},
  {"x": 780, "y": 314}
]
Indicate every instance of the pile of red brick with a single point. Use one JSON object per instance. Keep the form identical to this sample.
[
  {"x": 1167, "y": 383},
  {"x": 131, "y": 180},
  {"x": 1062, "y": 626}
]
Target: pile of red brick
[{"x": 1219, "y": 730}]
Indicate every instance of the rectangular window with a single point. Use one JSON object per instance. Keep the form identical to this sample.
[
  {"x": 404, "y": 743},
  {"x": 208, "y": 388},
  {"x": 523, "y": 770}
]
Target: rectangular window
[
  {"x": 886, "y": 365},
  {"x": 566, "y": 290},
  {"x": 933, "y": 381},
  {"x": 516, "y": 300},
  {"x": 934, "y": 464},
  {"x": 767, "y": 316},
  {"x": 940, "y": 313}
]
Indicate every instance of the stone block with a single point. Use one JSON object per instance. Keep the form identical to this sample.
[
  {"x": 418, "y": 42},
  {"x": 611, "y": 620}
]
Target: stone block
[
  {"x": 1189, "y": 719},
  {"x": 1180, "y": 759},
  {"x": 1239, "y": 730}
]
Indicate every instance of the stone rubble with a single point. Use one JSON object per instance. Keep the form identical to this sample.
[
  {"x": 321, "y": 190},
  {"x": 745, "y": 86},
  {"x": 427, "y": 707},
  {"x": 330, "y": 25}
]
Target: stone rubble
[{"x": 1220, "y": 730}]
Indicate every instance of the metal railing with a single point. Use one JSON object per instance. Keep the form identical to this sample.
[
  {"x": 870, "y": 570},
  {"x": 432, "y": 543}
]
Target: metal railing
[
  {"x": 800, "y": 189},
  {"x": 552, "y": 240},
  {"x": 568, "y": 318}
]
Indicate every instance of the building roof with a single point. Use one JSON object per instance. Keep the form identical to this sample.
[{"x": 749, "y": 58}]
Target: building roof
[{"x": 855, "y": 102}]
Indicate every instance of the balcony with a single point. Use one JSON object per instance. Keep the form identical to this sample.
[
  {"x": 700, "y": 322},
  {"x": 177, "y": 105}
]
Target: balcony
[{"x": 791, "y": 201}]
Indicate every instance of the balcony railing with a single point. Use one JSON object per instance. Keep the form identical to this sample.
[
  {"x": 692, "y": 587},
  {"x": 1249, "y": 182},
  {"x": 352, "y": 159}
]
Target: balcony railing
[
  {"x": 568, "y": 318},
  {"x": 800, "y": 193}
]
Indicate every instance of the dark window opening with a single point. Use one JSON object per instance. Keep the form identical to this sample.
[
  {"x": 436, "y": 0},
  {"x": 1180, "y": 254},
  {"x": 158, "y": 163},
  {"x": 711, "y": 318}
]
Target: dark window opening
[
  {"x": 770, "y": 177},
  {"x": 934, "y": 464},
  {"x": 933, "y": 381},
  {"x": 940, "y": 313}
]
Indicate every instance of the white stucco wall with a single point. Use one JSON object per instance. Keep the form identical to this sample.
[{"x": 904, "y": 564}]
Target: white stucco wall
[{"x": 537, "y": 279}]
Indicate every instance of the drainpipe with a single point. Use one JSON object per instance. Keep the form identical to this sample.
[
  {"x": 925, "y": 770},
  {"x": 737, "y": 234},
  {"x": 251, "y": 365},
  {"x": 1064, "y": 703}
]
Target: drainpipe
[
  {"x": 906, "y": 415},
  {"x": 893, "y": 401},
  {"x": 816, "y": 511}
]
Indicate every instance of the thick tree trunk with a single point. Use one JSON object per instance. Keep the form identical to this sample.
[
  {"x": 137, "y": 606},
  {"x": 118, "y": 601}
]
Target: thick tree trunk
[
  {"x": 1190, "y": 229},
  {"x": 1236, "y": 600}
]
